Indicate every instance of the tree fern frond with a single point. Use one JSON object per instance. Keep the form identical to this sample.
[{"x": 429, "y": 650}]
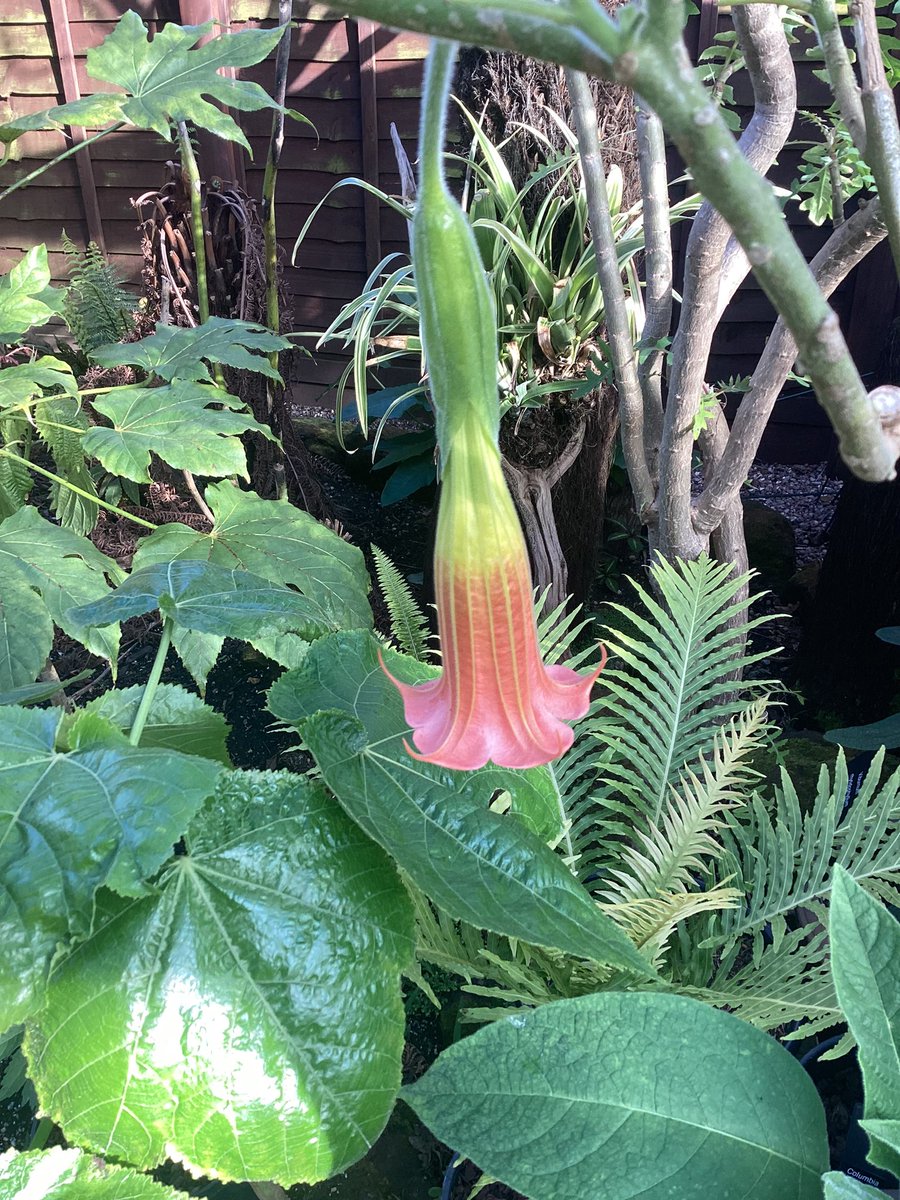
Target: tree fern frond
[
  {"x": 409, "y": 624},
  {"x": 668, "y": 857},
  {"x": 786, "y": 861},
  {"x": 559, "y": 630}
]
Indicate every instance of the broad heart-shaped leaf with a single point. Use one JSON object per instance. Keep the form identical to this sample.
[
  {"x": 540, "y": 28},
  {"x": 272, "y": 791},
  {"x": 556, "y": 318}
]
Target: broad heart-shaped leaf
[
  {"x": 69, "y": 823},
  {"x": 246, "y": 1018},
  {"x": 276, "y": 541},
  {"x": 19, "y": 385},
  {"x": 839, "y": 1186},
  {"x": 26, "y": 297},
  {"x": 166, "y": 80},
  {"x": 868, "y": 737},
  {"x": 173, "y": 352},
  {"x": 66, "y": 569},
  {"x": 178, "y": 720},
  {"x": 865, "y": 962},
  {"x": 176, "y": 423},
  {"x": 26, "y": 631},
  {"x": 208, "y": 599},
  {"x": 626, "y": 1094},
  {"x": 474, "y": 864},
  {"x": 60, "y": 1174}
]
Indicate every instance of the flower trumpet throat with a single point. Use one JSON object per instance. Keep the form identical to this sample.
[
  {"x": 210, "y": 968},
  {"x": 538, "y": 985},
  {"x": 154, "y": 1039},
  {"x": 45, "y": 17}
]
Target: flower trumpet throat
[{"x": 494, "y": 700}]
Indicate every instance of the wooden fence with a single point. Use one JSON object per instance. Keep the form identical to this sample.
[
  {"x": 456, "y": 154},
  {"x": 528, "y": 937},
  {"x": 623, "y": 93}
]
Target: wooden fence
[{"x": 352, "y": 82}]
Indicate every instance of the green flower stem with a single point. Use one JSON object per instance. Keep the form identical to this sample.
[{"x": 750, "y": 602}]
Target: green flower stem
[
  {"x": 140, "y": 717},
  {"x": 120, "y": 512},
  {"x": 631, "y": 406},
  {"x": 840, "y": 69},
  {"x": 192, "y": 171},
  {"x": 38, "y": 171}
]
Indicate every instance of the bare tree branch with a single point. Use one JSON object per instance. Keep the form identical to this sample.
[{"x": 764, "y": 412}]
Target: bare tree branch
[
  {"x": 845, "y": 249},
  {"x": 707, "y": 285},
  {"x": 631, "y": 407},
  {"x": 840, "y": 70}
]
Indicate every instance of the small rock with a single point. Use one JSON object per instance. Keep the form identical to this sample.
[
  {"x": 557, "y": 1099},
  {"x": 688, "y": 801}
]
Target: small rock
[{"x": 771, "y": 545}]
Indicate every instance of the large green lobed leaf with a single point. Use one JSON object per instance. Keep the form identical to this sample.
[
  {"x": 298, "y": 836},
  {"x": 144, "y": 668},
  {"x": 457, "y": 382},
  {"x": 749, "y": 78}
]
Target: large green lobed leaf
[
  {"x": 177, "y": 720},
  {"x": 620, "y": 1095},
  {"x": 166, "y": 80},
  {"x": 245, "y": 1018},
  {"x": 105, "y": 814},
  {"x": 176, "y": 423},
  {"x": 26, "y": 631},
  {"x": 474, "y": 864},
  {"x": 26, "y": 297},
  {"x": 177, "y": 353}
]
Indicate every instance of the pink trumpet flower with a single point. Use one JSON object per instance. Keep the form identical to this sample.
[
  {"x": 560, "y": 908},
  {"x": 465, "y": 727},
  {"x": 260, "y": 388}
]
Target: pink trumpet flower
[{"x": 495, "y": 700}]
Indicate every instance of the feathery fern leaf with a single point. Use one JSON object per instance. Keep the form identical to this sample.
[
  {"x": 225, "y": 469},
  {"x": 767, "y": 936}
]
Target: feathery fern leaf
[
  {"x": 61, "y": 422},
  {"x": 409, "y": 624},
  {"x": 786, "y": 860},
  {"x": 559, "y": 630},
  {"x": 650, "y": 921},
  {"x": 97, "y": 308},
  {"x": 668, "y": 857}
]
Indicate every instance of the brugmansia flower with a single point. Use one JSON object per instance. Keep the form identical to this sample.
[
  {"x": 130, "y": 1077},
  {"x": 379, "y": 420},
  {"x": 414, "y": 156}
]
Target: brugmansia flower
[{"x": 494, "y": 700}]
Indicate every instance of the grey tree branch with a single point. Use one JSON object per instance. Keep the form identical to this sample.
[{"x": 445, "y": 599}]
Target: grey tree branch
[
  {"x": 650, "y": 56},
  {"x": 844, "y": 250},
  {"x": 658, "y": 270},
  {"x": 708, "y": 285},
  {"x": 631, "y": 405},
  {"x": 882, "y": 132},
  {"x": 840, "y": 70}
]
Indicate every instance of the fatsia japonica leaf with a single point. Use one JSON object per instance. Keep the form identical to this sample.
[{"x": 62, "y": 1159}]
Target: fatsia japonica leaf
[
  {"x": 176, "y": 423},
  {"x": 165, "y": 80},
  {"x": 26, "y": 631},
  {"x": 66, "y": 569},
  {"x": 173, "y": 352},
  {"x": 275, "y": 540},
  {"x": 26, "y": 297},
  {"x": 69, "y": 823},
  {"x": 177, "y": 720},
  {"x": 245, "y": 1018},
  {"x": 20, "y": 384},
  {"x": 476, "y": 865},
  {"x": 865, "y": 962},
  {"x": 60, "y": 1174},
  {"x": 207, "y": 598},
  {"x": 622, "y": 1095}
]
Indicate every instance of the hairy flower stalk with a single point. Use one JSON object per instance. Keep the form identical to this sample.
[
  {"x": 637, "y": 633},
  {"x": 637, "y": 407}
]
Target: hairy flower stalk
[{"x": 494, "y": 700}]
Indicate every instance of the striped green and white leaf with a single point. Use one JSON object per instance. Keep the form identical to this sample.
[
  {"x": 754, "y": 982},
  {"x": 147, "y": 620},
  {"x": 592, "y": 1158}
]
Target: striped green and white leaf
[{"x": 246, "y": 1017}]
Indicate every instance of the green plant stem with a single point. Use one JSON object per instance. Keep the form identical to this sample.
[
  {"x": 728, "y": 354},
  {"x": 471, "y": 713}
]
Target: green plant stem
[
  {"x": 190, "y": 168},
  {"x": 38, "y": 171},
  {"x": 840, "y": 70},
  {"x": 631, "y": 406},
  {"x": 882, "y": 131},
  {"x": 120, "y": 512},
  {"x": 140, "y": 717}
]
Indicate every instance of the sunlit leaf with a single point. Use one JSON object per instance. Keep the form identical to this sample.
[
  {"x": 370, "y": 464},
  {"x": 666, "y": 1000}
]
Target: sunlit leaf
[{"x": 174, "y": 353}]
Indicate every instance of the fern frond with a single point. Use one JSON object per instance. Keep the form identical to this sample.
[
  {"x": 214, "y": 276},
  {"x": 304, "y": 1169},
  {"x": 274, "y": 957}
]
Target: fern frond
[
  {"x": 786, "y": 861},
  {"x": 409, "y": 624},
  {"x": 785, "y": 981},
  {"x": 15, "y": 478},
  {"x": 97, "y": 308},
  {"x": 668, "y": 688},
  {"x": 650, "y": 921},
  {"x": 559, "y": 630},
  {"x": 61, "y": 423},
  {"x": 668, "y": 857}
]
